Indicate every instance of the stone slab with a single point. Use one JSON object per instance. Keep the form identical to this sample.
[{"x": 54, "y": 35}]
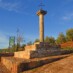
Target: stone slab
[
  {"x": 22, "y": 54},
  {"x": 41, "y": 53},
  {"x": 6, "y": 55},
  {"x": 17, "y": 65}
]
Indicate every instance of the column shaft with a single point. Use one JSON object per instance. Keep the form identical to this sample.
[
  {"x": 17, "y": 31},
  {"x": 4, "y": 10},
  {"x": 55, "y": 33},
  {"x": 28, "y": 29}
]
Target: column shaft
[{"x": 41, "y": 27}]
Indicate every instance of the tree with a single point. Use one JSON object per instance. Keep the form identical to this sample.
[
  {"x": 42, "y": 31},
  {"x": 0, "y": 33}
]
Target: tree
[
  {"x": 61, "y": 39},
  {"x": 37, "y": 40},
  {"x": 50, "y": 40},
  {"x": 69, "y": 34},
  {"x": 29, "y": 43},
  {"x": 19, "y": 39},
  {"x": 47, "y": 39},
  {"x": 23, "y": 45}
]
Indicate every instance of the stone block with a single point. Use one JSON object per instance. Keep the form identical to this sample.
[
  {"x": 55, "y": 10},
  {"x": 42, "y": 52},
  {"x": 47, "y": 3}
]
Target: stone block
[
  {"x": 22, "y": 54},
  {"x": 6, "y": 55},
  {"x": 10, "y": 65},
  {"x": 17, "y": 65}
]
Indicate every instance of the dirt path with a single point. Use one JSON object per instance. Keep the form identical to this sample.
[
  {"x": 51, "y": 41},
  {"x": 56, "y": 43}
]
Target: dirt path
[{"x": 61, "y": 66}]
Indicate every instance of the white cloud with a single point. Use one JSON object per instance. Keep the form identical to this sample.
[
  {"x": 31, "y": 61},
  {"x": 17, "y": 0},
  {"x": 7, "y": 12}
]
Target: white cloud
[
  {"x": 68, "y": 17},
  {"x": 9, "y": 6},
  {"x": 16, "y": 6}
]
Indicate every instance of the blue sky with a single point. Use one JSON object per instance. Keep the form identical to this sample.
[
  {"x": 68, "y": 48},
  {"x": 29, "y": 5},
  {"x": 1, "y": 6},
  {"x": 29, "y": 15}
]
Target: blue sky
[{"x": 22, "y": 14}]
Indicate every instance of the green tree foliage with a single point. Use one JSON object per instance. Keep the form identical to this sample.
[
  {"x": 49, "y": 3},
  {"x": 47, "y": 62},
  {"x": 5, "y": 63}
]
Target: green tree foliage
[
  {"x": 37, "y": 40},
  {"x": 69, "y": 34},
  {"x": 61, "y": 39},
  {"x": 29, "y": 43},
  {"x": 50, "y": 40},
  {"x": 23, "y": 45}
]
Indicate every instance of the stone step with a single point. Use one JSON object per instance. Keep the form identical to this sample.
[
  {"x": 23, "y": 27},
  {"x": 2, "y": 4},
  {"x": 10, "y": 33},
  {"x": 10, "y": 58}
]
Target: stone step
[
  {"x": 6, "y": 55},
  {"x": 17, "y": 65},
  {"x": 45, "y": 53},
  {"x": 41, "y": 53}
]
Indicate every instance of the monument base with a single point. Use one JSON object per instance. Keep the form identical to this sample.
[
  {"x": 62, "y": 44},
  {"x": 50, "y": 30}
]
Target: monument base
[
  {"x": 37, "y": 46},
  {"x": 36, "y": 50}
]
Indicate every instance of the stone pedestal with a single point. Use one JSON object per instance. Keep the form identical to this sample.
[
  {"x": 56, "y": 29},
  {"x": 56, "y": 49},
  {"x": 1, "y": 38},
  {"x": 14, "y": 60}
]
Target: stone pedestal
[
  {"x": 37, "y": 46},
  {"x": 36, "y": 50}
]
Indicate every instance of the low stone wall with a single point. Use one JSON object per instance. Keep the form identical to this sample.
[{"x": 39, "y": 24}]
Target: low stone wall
[
  {"x": 16, "y": 65},
  {"x": 46, "y": 53},
  {"x": 6, "y": 55},
  {"x": 10, "y": 65},
  {"x": 36, "y": 63},
  {"x": 40, "y": 53}
]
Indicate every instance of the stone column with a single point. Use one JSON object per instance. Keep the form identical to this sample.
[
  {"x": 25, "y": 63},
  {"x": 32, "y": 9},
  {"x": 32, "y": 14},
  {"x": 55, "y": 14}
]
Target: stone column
[{"x": 41, "y": 14}]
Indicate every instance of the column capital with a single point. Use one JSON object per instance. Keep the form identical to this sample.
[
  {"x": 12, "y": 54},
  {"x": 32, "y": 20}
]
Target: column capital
[{"x": 43, "y": 12}]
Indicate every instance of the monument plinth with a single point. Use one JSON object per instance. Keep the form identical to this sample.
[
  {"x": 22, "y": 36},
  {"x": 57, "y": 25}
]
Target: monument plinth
[
  {"x": 41, "y": 14},
  {"x": 40, "y": 49}
]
